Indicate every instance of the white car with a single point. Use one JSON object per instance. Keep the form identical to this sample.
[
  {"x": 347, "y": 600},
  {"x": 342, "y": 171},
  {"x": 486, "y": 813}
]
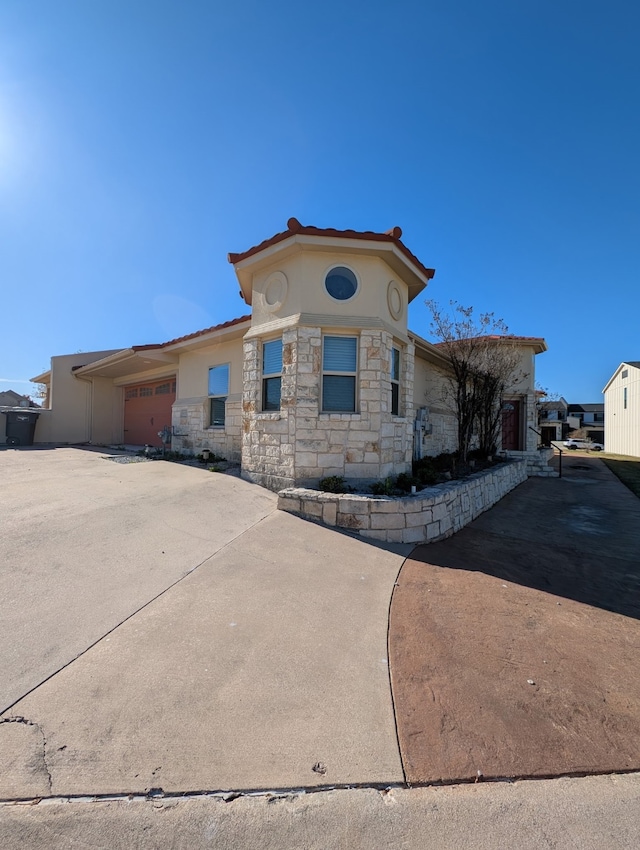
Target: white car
[{"x": 585, "y": 445}]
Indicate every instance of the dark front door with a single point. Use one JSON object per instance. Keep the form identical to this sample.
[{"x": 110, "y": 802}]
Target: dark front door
[{"x": 511, "y": 425}]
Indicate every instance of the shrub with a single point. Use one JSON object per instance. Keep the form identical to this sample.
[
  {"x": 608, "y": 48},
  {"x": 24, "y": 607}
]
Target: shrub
[
  {"x": 405, "y": 482},
  {"x": 334, "y": 484},
  {"x": 383, "y": 488},
  {"x": 425, "y": 471}
]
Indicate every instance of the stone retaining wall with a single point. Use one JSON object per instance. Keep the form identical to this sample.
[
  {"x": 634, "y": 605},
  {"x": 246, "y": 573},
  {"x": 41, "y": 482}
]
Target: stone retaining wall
[{"x": 433, "y": 514}]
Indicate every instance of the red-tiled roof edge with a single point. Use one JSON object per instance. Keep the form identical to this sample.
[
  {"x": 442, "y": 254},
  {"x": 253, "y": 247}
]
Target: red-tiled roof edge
[
  {"x": 203, "y": 332},
  {"x": 295, "y": 227}
]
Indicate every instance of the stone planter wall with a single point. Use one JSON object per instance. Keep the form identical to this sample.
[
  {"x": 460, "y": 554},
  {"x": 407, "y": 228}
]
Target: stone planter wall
[{"x": 433, "y": 514}]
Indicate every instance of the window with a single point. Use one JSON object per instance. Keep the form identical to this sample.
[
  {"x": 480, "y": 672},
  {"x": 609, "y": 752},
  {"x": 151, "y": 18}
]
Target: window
[
  {"x": 625, "y": 398},
  {"x": 271, "y": 374},
  {"x": 625, "y": 373},
  {"x": 339, "y": 369},
  {"x": 132, "y": 392},
  {"x": 163, "y": 389},
  {"x": 395, "y": 381},
  {"x": 218, "y": 392},
  {"x": 145, "y": 392},
  {"x": 341, "y": 283}
]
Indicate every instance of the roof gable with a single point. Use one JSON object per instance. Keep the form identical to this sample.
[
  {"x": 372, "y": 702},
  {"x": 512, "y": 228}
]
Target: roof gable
[
  {"x": 387, "y": 245},
  {"x": 634, "y": 364}
]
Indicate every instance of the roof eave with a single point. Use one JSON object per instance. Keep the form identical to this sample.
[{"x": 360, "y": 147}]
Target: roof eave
[
  {"x": 203, "y": 340},
  {"x": 399, "y": 262}
]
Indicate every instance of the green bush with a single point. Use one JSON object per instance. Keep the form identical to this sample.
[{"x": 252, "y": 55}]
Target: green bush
[
  {"x": 383, "y": 488},
  {"x": 334, "y": 484}
]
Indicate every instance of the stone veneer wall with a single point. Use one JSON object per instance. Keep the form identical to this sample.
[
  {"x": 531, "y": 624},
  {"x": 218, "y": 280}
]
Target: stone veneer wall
[
  {"x": 537, "y": 461},
  {"x": 433, "y": 514},
  {"x": 192, "y": 433},
  {"x": 299, "y": 443}
]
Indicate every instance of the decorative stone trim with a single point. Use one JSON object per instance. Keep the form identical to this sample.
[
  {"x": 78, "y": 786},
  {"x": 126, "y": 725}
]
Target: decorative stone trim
[{"x": 433, "y": 514}]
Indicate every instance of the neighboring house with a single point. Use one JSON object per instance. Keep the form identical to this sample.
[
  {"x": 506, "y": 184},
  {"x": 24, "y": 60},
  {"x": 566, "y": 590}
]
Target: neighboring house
[
  {"x": 557, "y": 419},
  {"x": 322, "y": 377},
  {"x": 10, "y": 398},
  {"x": 552, "y": 420},
  {"x": 622, "y": 410},
  {"x": 588, "y": 418}
]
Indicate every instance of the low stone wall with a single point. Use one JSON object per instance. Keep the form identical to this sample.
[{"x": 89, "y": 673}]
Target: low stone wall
[
  {"x": 538, "y": 462},
  {"x": 430, "y": 515}
]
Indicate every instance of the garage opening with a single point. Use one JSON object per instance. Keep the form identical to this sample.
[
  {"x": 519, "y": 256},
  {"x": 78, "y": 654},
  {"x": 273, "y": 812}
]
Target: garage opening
[{"x": 147, "y": 410}]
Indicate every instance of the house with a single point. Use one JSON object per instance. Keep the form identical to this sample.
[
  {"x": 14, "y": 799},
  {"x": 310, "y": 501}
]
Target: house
[
  {"x": 622, "y": 410},
  {"x": 10, "y": 398},
  {"x": 588, "y": 418},
  {"x": 320, "y": 377},
  {"x": 552, "y": 420}
]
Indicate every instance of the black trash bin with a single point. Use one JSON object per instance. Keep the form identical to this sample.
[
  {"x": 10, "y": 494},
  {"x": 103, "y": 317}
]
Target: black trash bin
[{"x": 20, "y": 427}]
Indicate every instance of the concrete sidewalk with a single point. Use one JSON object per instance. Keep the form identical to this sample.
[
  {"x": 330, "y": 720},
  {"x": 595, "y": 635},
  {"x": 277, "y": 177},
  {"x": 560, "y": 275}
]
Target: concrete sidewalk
[{"x": 594, "y": 813}]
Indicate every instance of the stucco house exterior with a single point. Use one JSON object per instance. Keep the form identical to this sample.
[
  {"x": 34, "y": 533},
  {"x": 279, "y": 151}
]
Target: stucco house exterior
[
  {"x": 320, "y": 376},
  {"x": 622, "y": 410}
]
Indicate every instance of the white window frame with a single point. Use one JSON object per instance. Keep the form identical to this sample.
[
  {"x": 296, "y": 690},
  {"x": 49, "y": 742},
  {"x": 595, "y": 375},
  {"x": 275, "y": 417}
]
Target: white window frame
[
  {"x": 266, "y": 376},
  {"x": 333, "y": 373},
  {"x": 218, "y": 396}
]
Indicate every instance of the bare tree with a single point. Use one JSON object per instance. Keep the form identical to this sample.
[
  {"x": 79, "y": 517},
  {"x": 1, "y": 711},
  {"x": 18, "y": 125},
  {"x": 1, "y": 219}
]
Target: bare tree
[{"x": 483, "y": 362}]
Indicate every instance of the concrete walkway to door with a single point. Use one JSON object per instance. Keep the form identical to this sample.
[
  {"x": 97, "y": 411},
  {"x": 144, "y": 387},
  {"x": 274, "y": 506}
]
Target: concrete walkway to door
[{"x": 514, "y": 645}]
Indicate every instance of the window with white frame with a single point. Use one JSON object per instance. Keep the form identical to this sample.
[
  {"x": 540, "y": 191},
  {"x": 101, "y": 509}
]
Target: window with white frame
[
  {"x": 395, "y": 381},
  {"x": 218, "y": 392},
  {"x": 271, "y": 374},
  {"x": 339, "y": 373}
]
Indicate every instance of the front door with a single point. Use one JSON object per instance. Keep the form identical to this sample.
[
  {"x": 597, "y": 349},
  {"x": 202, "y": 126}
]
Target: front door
[{"x": 511, "y": 425}]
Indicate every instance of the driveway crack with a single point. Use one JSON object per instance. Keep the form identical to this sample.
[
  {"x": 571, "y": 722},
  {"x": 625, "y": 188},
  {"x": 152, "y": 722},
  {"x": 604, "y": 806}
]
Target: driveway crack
[{"x": 26, "y": 722}]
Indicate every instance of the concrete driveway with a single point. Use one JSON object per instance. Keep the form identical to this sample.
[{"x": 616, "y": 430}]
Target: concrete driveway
[
  {"x": 171, "y": 636},
  {"x": 216, "y": 643}
]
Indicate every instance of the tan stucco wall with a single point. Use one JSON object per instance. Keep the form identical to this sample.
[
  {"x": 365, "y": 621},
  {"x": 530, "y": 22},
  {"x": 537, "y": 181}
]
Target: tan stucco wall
[
  {"x": 305, "y": 291},
  {"x": 191, "y": 415},
  {"x": 194, "y": 369},
  {"x": 622, "y": 427},
  {"x": 430, "y": 391},
  {"x": 69, "y": 419}
]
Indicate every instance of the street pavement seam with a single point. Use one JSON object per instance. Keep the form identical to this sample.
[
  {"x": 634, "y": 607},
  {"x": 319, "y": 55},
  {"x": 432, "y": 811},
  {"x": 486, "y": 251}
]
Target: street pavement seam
[
  {"x": 232, "y": 794},
  {"x": 130, "y": 616}
]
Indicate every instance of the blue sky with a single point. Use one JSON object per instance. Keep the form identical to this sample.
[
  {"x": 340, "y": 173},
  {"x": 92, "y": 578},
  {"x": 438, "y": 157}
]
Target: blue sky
[{"x": 140, "y": 142}]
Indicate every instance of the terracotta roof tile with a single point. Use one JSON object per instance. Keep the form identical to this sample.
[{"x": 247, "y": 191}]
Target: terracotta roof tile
[
  {"x": 220, "y": 327},
  {"x": 294, "y": 227}
]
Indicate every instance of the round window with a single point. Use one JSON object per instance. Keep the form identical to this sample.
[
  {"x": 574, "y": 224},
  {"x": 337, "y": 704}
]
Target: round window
[{"x": 341, "y": 283}]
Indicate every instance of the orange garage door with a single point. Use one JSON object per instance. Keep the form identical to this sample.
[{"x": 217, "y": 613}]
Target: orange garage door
[{"x": 147, "y": 410}]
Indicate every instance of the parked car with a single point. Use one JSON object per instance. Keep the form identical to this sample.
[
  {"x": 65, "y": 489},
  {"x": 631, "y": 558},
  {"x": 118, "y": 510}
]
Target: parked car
[{"x": 585, "y": 445}]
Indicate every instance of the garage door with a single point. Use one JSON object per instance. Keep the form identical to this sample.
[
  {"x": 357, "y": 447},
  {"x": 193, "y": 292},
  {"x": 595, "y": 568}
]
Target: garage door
[{"x": 147, "y": 410}]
